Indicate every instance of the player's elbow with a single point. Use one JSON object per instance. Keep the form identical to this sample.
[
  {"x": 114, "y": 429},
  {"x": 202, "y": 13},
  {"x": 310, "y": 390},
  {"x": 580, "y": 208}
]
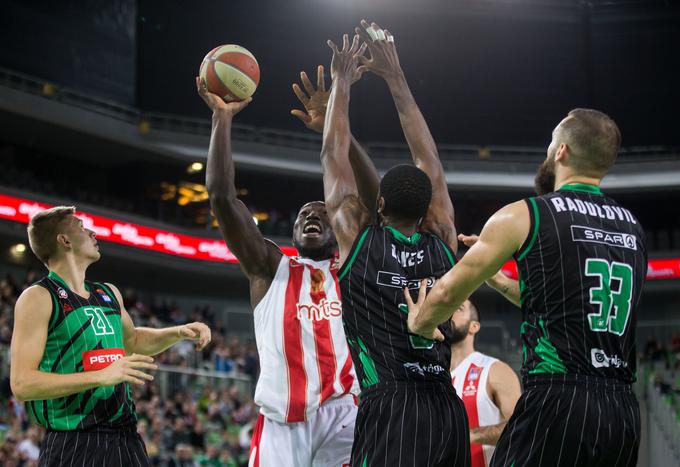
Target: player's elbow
[
  {"x": 221, "y": 199},
  {"x": 20, "y": 388}
]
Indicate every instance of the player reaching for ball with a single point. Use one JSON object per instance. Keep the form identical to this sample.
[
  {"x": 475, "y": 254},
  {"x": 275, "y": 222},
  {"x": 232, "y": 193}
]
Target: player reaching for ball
[
  {"x": 409, "y": 413},
  {"x": 307, "y": 381},
  {"x": 75, "y": 351},
  {"x": 582, "y": 261}
]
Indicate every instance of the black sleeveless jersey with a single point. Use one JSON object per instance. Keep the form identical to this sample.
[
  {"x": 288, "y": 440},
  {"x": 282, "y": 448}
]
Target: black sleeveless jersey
[
  {"x": 381, "y": 264},
  {"x": 581, "y": 271}
]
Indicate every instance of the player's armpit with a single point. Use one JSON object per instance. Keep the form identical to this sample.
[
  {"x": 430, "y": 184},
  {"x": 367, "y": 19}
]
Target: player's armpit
[
  {"x": 347, "y": 222},
  {"x": 129, "y": 334}
]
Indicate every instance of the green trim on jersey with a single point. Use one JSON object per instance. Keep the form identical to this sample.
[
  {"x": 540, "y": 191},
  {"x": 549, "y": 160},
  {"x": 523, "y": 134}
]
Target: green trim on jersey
[
  {"x": 346, "y": 267},
  {"x": 401, "y": 238},
  {"x": 593, "y": 189},
  {"x": 534, "y": 233},
  {"x": 367, "y": 364},
  {"x": 448, "y": 251},
  {"x": 546, "y": 351},
  {"x": 56, "y": 278}
]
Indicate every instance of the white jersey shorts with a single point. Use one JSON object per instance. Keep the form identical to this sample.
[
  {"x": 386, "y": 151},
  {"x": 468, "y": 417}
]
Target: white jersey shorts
[{"x": 324, "y": 440}]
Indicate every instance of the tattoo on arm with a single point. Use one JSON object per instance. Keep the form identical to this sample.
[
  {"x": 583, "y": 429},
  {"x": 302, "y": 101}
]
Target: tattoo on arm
[{"x": 488, "y": 435}]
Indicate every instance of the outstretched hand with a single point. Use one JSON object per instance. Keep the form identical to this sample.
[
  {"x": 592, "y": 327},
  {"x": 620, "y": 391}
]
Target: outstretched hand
[
  {"x": 414, "y": 310},
  {"x": 314, "y": 101},
  {"x": 384, "y": 60},
  {"x": 344, "y": 63},
  {"x": 198, "y": 332},
  {"x": 216, "y": 103}
]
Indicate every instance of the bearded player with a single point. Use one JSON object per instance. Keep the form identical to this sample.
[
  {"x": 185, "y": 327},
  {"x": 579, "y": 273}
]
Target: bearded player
[
  {"x": 409, "y": 413},
  {"x": 582, "y": 263},
  {"x": 307, "y": 381},
  {"x": 75, "y": 351},
  {"x": 488, "y": 387}
]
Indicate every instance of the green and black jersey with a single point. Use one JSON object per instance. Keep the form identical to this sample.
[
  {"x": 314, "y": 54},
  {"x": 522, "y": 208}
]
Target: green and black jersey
[
  {"x": 581, "y": 274},
  {"x": 381, "y": 264},
  {"x": 83, "y": 335}
]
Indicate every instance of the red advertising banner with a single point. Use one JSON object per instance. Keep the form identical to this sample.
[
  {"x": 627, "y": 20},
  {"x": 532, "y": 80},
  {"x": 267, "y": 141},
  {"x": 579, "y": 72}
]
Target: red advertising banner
[
  {"x": 128, "y": 233},
  {"x": 210, "y": 249}
]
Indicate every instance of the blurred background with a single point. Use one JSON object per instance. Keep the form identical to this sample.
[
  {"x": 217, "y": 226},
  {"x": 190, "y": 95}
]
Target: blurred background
[{"x": 98, "y": 108}]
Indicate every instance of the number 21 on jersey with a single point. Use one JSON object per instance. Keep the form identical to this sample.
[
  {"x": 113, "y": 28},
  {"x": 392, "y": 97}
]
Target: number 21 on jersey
[{"x": 99, "y": 322}]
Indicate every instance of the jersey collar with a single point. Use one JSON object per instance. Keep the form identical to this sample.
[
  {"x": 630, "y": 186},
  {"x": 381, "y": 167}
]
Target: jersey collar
[
  {"x": 593, "y": 189},
  {"x": 401, "y": 238},
  {"x": 56, "y": 278}
]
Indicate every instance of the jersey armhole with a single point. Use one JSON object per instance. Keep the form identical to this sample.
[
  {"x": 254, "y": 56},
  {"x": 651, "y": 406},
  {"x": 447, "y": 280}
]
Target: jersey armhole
[
  {"x": 533, "y": 230},
  {"x": 354, "y": 251},
  {"x": 55, "y": 306}
]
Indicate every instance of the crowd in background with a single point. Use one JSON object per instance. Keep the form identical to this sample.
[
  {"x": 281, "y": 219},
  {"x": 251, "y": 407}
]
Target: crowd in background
[{"x": 201, "y": 424}]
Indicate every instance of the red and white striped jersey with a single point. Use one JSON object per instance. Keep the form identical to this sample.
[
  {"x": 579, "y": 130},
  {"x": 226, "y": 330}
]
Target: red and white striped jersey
[
  {"x": 304, "y": 356},
  {"x": 469, "y": 380}
]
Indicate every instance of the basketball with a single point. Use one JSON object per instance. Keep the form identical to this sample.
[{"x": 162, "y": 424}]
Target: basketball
[{"x": 231, "y": 72}]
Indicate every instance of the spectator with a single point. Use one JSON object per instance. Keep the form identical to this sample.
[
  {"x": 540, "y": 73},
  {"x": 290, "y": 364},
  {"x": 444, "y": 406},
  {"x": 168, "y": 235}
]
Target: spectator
[{"x": 29, "y": 447}]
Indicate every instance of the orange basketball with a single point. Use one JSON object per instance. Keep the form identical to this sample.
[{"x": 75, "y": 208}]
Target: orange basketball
[{"x": 230, "y": 71}]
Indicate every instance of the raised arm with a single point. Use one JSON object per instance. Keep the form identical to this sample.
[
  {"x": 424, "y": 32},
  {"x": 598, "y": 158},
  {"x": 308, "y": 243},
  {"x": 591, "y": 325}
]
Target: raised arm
[
  {"x": 257, "y": 257},
  {"x": 501, "y": 237},
  {"x": 347, "y": 213},
  {"x": 315, "y": 102},
  {"x": 31, "y": 319},
  {"x": 384, "y": 62}
]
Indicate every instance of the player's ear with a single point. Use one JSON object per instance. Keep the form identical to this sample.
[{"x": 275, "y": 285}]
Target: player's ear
[
  {"x": 381, "y": 204},
  {"x": 562, "y": 154},
  {"x": 62, "y": 240},
  {"x": 474, "y": 327}
]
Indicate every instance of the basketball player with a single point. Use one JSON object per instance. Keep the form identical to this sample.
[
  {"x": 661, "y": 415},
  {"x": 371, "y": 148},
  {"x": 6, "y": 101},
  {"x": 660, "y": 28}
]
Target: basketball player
[
  {"x": 409, "y": 413},
  {"x": 307, "y": 381},
  {"x": 75, "y": 351},
  {"x": 582, "y": 262},
  {"x": 488, "y": 387}
]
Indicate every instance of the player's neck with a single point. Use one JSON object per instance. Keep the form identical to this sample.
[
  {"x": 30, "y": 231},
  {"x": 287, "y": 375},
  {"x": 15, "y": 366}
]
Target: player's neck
[
  {"x": 72, "y": 273},
  {"x": 407, "y": 228},
  {"x": 461, "y": 351},
  {"x": 572, "y": 179}
]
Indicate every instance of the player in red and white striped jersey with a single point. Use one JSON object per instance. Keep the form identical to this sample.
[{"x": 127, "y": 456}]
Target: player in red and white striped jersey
[
  {"x": 307, "y": 382},
  {"x": 488, "y": 387}
]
